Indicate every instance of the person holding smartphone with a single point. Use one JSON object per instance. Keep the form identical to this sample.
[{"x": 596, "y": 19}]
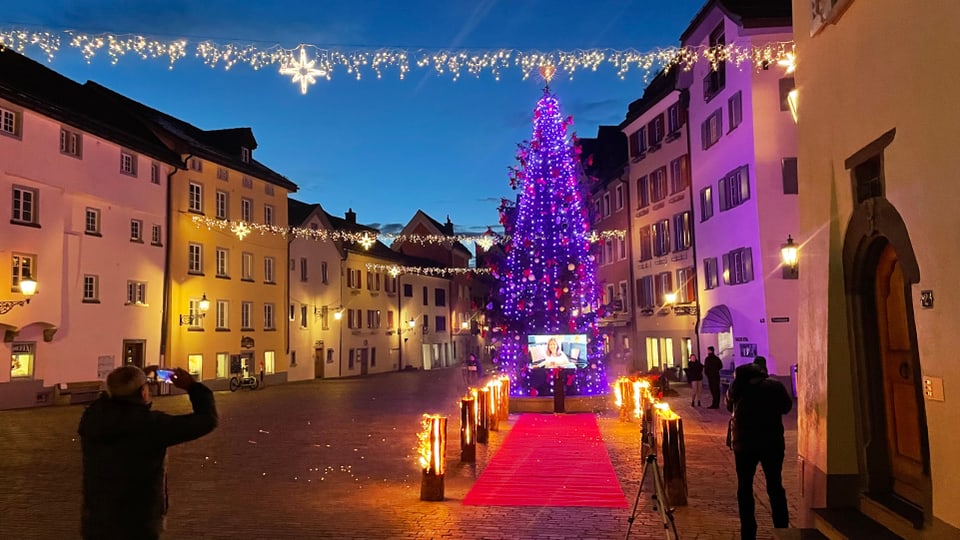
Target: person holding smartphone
[{"x": 124, "y": 447}]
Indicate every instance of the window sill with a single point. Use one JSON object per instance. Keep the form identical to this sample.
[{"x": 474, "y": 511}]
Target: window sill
[
  {"x": 269, "y": 329},
  {"x": 247, "y": 329},
  {"x": 222, "y": 330},
  {"x": 90, "y": 301},
  {"x": 195, "y": 329},
  {"x": 132, "y": 174},
  {"x": 136, "y": 241},
  {"x": 197, "y": 212},
  {"x": 156, "y": 244},
  {"x": 247, "y": 280},
  {"x": 195, "y": 273},
  {"x": 222, "y": 276},
  {"x": 672, "y": 136},
  {"x": 35, "y": 225},
  {"x": 88, "y": 233}
]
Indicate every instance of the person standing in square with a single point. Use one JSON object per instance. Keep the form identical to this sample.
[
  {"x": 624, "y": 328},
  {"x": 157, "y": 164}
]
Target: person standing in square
[{"x": 711, "y": 368}]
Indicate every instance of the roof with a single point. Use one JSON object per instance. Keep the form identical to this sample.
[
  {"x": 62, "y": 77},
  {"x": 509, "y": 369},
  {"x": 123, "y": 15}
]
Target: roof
[
  {"x": 746, "y": 13},
  {"x": 38, "y": 88},
  {"x": 608, "y": 151},
  {"x": 298, "y": 211},
  {"x": 660, "y": 87},
  {"x": 446, "y": 230},
  {"x": 220, "y": 146}
]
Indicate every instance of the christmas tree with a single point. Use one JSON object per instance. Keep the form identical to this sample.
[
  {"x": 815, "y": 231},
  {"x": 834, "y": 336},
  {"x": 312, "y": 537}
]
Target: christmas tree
[{"x": 548, "y": 283}]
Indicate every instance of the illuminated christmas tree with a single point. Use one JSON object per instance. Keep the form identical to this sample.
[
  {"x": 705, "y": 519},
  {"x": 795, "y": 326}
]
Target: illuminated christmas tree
[{"x": 548, "y": 283}]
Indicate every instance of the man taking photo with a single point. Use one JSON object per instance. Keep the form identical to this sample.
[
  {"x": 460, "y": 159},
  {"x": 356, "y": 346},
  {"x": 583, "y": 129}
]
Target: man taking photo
[{"x": 124, "y": 454}]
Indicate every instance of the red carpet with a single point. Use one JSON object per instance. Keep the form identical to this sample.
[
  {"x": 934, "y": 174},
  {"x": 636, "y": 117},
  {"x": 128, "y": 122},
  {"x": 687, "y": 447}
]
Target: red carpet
[{"x": 550, "y": 460}]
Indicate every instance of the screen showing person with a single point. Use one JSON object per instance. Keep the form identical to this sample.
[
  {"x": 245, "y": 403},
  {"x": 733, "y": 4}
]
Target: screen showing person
[{"x": 565, "y": 351}]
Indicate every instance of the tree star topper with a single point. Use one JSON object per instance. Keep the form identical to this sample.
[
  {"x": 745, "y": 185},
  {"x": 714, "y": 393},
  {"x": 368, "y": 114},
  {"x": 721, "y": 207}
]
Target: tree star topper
[{"x": 303, "y": 71}]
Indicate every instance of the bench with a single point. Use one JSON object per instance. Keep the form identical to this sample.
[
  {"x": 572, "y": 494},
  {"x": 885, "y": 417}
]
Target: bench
[{"x": 78, "y": 392}]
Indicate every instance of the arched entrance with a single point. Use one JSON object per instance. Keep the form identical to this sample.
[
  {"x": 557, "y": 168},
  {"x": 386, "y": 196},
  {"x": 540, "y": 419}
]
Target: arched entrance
[{"x": 879, "y": 268}]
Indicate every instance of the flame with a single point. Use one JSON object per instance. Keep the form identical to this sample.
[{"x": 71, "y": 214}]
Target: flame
[{"x": 432, "y": 445}]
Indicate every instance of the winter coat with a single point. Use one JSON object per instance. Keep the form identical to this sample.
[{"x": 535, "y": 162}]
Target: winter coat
[
  {"x": 694, "y": 371},
  {"x": 758, "y": 404},
  {"x": 712, "y": 366},
  {"x": 124, "y": 452}
]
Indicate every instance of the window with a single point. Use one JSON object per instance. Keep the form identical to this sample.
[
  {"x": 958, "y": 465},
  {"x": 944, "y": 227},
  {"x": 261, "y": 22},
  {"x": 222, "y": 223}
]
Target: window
[
  {"x": 738, "y": 266},
  {"x": 606, "y": 204},
  {"x": 247, "y": 182},
  {"x": 91, "y": 221},
  {"x": 303, "y": 269},
  {"x": 136, "y": 293},
  {"x": 621, "y": 248},
  {"x": 686, "y": 289},
  {"x": 246, "y": 210},
  {"x": 352, "y": 319},
  {"x": 155, "y": 235},
  {"x": 91, "y": 288},
  {"x": 268, "y": 189},
  {"x": 788, "y": 170},
  {"x": 223, "y": 259},
  {"x": 655, "y": 132},
  {"x": 195, "y": 365},
  {"x": 325, "y": 318},
  {"x": 223, "y": 365},
  {"x": 407, "y": 290},
  {"x": 155, "y": 173},
  {"x": 373, "y": 281},
  {"x": 618, "y": 197},
  {"x": 269, "y": 361},
  {"x": 24, "y": 266},
  {"x": 195, "y": 164},
  {"x": 195, "y": 202},
  {"x": 25, "y": 205},
  {"x": 223, "y": 205},
  {"x": 661, "y": 238},
  {"x": 426, "y": 324},
  {"x": 268, "y": 265},
  {"x": 373, "y": 318},
  {"x": 643, "y": 192},
  {"x": 608, "y": 296},
  {"x": 9, "y": 122},
  {"x": 596, "y": 209},
  {"x": 195, "y": 259},
  {"x": 673, "y": 121},
  {"x": 223, "y": 174},
  {"x": 608, "y": 251},
  {"x": 711, "y": 129},
  {"x": 440, "y": 297},
  {"x": 710, "y": 274},
  {"x": 247, "y": 264},
  {"x": 268, "y": 320},
  {"x": 646, "y": 253},
  {"x": 293, "y": 312},
  {"x": 128, "y": 163},
  {"x": 323, "y": 272},
  {"x": 787, "y": 84},
  {"x": 658, "y": 184},
  {"x": 136, "y": 230},
  {"x": 426, "y": 296},
  {"x": 353, "y": 278},
  {"x": 246, "y": 315},
  {"x": 735, "y": 110},
  {"x": 624, "y": 297},
  {"x": 223, "y": 310},
  {"x": 682, "y": 231},
  {"x": 303, "y": 315},
  {"x": 734, "y": 189},
  {"x": 645, "y": 293},
  {"x": 244, "y": 154},
  {"x": 706, "y": 203},
  {"x": 390, "y": 284},
  {"x": 663, "y": 284},
  {"x": 70, "y": 143},
  {"x": 21, "y": 362},
  {"x": 268, "y": 214},
  {"x": 440, "y": 322},
  {"x": 638, "y": 143},
  {"x": 679, "y": 174},
  {"x": 716, "y": 79}
]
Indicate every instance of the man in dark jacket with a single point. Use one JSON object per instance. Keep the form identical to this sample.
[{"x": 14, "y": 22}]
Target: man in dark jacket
[
  {"x": 124, "y": 453},
  {"x": 758, "y": 405},
  {"x": 711, "y": 368}
]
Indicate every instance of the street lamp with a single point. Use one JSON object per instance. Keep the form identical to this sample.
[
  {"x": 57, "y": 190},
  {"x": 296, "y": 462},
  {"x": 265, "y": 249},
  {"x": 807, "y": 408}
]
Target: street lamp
[
  {"x": 194, "y": 317},
  {"x": 28, "y": 288}
]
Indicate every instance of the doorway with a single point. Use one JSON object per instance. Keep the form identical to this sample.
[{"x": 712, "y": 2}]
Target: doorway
[
  {"x": 133, "y": 352},
  {"x": 318, "y": 361}
]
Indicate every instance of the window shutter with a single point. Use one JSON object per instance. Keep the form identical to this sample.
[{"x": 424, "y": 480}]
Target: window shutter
[
  {"x": 703, "y": 134},
  {"x": 723, "y": 193},
  {"x": 747, "y": 265},
  {"x": 726, "y": 268},
  {"x": 744, "y": 183},
  {"x": 685, "y": 171}
]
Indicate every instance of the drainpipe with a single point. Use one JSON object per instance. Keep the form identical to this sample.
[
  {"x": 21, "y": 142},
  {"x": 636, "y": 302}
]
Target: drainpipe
[
  {"x": 165, "y": 309},
  {"x": 685, "y": 101},
  {"x": 399, "y": 326}
]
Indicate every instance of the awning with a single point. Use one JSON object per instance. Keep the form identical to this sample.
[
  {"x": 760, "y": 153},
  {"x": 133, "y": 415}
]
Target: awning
[{"x": 717, "y": 320}]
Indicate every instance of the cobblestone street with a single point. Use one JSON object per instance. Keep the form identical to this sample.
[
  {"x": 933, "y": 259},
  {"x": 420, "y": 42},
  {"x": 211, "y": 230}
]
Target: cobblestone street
[{"x": 336, "y": 459}]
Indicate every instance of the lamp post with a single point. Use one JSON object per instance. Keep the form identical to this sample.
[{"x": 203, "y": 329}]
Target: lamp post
[{"x": 28, "y": 288}]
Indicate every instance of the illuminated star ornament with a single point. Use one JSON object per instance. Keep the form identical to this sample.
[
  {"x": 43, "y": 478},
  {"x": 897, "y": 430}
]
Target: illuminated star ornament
[
  {"x": 240, "y": 229},
  {"x": 302, "y": 71}
]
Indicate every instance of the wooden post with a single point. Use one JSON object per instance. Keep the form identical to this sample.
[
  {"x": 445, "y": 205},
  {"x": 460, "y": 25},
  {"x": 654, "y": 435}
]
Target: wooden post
[
  {"x": 558, "y": 390},
  {"x": 468, "y": 430},
  {"x": 673, "y": 454},
  {"x": 505, "y": 396},
  {"x": 433, "y": 458},
  {"x": 493, "y": 404},
  {"x": 483, "y": 413}
]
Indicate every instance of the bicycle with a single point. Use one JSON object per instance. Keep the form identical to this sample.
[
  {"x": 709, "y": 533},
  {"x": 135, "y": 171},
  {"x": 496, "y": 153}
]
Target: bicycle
[{"x": 244, "y": 381}]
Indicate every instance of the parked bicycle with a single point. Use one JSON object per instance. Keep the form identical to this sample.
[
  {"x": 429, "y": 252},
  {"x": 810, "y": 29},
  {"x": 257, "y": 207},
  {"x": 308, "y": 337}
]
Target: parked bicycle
[{"x": 245, "y": 380}]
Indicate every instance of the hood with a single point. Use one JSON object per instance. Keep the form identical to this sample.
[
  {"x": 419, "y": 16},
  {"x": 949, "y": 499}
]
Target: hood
[{"x": 109, "y": 419}]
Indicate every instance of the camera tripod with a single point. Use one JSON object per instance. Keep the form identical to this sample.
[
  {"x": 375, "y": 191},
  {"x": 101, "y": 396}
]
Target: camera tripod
[{"x": 659, "y": 497}]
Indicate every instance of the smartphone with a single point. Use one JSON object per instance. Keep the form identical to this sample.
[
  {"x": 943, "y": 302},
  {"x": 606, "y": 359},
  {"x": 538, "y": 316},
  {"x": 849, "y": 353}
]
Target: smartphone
[{"x": 163, "y": 375}]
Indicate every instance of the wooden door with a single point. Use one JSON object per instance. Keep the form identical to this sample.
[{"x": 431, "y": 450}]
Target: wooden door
[
  {"x": 898, "y": 361},
  {"x": 133, "y": 353},
  {"x": 318, "y": 363}
]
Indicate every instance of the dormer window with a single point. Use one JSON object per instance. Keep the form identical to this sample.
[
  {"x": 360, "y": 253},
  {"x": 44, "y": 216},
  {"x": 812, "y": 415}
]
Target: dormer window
[{"x": 244, "y": 154}]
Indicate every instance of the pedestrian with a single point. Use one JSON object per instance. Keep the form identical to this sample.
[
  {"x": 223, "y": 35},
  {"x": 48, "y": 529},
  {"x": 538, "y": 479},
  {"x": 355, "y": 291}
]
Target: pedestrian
[
  {"x": 711, "y": 368},
  {"x": 124, "y": 447},
  {"x": 758, "y": 404},
  {"x": 695, "y": 377},
  {"x": 473, "y": 371}
]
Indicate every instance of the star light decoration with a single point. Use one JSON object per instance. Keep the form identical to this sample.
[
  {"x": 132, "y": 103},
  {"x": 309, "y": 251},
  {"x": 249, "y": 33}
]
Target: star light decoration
[
  {"x": 303, "y": 71},
  {"x": 240, "y": 229}
]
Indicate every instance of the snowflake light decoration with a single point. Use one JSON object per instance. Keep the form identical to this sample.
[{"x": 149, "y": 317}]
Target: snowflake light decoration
[
  {"x": 303, "y": 71},
  {"x": 240, "y": 229}
]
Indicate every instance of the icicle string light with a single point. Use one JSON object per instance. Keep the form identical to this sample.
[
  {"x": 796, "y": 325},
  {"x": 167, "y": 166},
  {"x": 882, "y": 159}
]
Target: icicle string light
[
  {"x": 395, "y": 270},
  {"x": 305, "y": 63}
]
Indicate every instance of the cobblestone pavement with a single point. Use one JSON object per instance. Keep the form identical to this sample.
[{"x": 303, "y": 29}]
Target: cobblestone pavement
[{"x": 336, "y": 459}]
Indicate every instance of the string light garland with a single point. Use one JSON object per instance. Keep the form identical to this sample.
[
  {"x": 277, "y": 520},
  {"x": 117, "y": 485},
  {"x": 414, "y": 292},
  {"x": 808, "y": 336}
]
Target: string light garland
[
  {"x": 365, "y": 239},
  {"x": 395, "y": 270},
  {"x": 306, "y": 62}
]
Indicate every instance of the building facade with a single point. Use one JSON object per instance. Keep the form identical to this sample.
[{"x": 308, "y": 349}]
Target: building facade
[
  {"x": 743, "y": 158},
  {"x": 877, "y": 211}
]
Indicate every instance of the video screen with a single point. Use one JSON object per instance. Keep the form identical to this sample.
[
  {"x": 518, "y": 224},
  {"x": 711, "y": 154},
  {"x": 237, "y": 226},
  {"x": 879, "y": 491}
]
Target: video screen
[{"x": 564, "y": 351}]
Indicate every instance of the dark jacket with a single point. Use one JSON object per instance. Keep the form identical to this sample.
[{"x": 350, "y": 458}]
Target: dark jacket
[
  {"x": 712, "y": 366},
  {"x": 758, "y": 404},
  {"x": 694, "y": 371},
  {"x": 124, "y": 451}
]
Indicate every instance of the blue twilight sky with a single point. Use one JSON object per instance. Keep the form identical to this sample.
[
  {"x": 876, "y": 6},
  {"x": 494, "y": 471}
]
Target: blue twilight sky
[{"x": 387, "y": 147}]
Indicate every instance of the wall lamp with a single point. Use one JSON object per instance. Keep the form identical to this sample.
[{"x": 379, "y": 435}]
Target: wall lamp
[
  {"x": 194, "y": 318},
  {"x": 790, "y": 255},
  {"x": 28, "y": 288}
]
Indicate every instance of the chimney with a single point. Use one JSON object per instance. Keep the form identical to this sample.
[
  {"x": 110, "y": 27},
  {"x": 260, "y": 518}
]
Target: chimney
[
  {"x": 448, "y": 227},
  {"x": 351, "y": 216}
]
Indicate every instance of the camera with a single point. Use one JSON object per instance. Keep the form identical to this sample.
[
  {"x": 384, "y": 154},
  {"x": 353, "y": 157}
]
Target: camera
[{"x": 163, "y": 375}]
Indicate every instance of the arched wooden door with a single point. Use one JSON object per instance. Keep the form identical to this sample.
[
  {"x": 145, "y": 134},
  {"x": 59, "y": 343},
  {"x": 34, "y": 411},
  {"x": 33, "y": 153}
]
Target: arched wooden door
[{"x": 900, "y": 372}]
